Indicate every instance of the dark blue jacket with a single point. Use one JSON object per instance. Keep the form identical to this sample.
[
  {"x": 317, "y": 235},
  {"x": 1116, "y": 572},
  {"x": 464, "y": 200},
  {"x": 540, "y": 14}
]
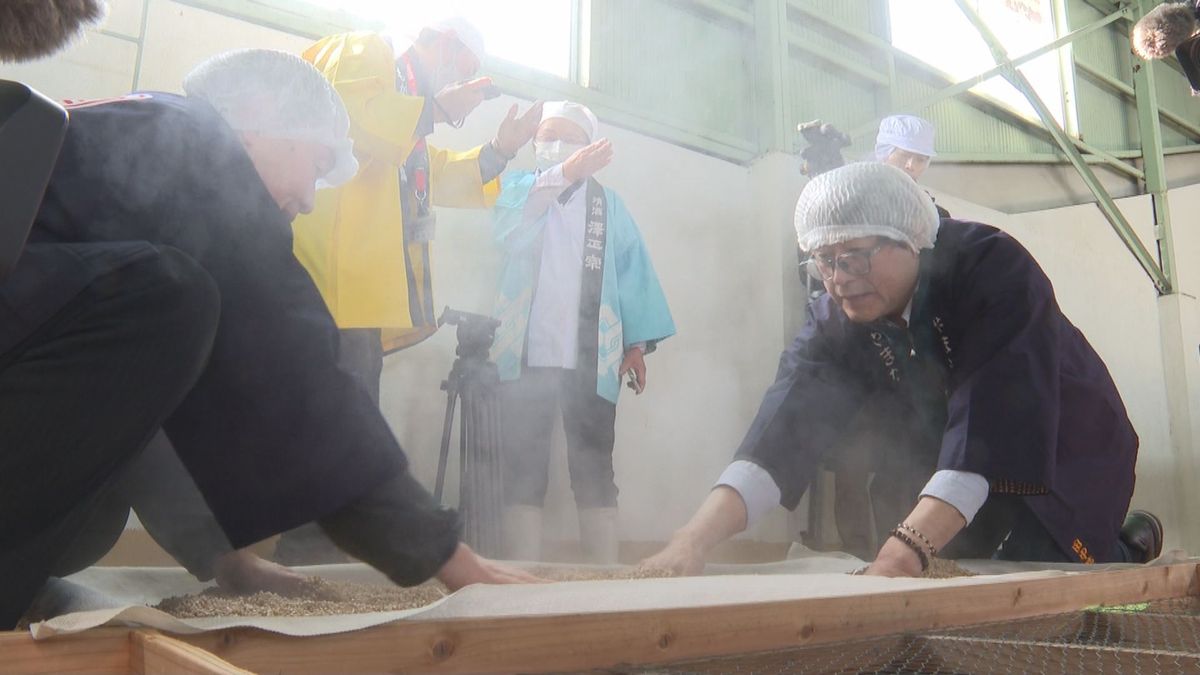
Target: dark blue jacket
[{"x": 989, "y": 377}]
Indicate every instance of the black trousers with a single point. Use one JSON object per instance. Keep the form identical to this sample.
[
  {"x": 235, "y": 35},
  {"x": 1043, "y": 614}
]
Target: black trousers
[
  {"x": 529, "y": 406},
  {"x": 81, "y": 396},
  {"x": 157, "y": 487}
]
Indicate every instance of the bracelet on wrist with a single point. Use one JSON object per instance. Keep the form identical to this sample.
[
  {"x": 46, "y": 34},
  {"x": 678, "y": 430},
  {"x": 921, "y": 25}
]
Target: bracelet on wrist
[
  {"x": 912, "y": 544},
  {"x": 914, "y": 532}
]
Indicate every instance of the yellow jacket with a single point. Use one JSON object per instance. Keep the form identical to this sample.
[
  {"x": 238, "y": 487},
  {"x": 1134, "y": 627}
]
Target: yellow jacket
[{"x": 353, "y": 241}]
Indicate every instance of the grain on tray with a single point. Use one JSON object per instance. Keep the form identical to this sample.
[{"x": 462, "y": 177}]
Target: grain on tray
[
  {"x": 584, "y": 574},
  {"x": 939, "y": 568},
  {"x": 315, "y": 597}
]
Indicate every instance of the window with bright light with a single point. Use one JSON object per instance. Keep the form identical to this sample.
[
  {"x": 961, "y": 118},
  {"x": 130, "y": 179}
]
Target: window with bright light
[
  {"x": 535, "y": 33},
  {"x": 938, "y": 33}
]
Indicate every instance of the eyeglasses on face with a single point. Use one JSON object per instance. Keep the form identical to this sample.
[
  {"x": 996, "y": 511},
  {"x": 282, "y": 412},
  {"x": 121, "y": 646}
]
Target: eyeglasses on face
[{"x": 857, "y": 262}]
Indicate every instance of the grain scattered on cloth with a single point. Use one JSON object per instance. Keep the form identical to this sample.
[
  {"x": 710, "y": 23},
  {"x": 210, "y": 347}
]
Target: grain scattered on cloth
[
  {"x": 315, "y": 597},
  {"x": 584, "y": 574},
  {"x": 939, "y": 568},
  {"x": 319, "y": 597}
]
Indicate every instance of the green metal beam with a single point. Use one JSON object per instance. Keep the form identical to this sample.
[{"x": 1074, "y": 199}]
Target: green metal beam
[
  {"x": 772, "y": 90},
  {"x": 999, "y": 69},
  {"x": 1110, "y": 158},
  {"x": 1006, "y": 158},
  {"x": 141, "y": 46},
  {"x": 1065, "y": 59},
  {"x": 1046, "y": 157},
  {"x": 1174, "y": 119},
  {"x": 1103, "y": 200},
  {"x": 1150, "y": 135}
]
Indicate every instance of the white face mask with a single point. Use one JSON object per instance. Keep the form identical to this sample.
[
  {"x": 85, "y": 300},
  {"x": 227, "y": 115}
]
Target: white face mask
[{"x": 553, "y": 153}]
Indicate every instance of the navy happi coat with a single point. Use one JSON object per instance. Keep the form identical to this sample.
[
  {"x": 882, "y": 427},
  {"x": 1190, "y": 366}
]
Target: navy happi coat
[{"x": 989, "y": 377}]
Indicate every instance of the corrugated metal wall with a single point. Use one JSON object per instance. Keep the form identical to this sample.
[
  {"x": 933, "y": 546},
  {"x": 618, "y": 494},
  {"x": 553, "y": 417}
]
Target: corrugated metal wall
[
  {"x": 1106, "y": 119},
  {"x": 685, "y": 64},
  {"x": 694, "y": 65}
]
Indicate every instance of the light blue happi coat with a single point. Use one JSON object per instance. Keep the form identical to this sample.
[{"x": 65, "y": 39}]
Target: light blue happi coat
[{"x": 633, "y": 308}]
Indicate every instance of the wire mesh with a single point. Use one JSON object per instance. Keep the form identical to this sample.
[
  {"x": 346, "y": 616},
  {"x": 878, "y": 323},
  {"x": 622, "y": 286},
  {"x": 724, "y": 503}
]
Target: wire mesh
[{"x": 1155, "y": 637}]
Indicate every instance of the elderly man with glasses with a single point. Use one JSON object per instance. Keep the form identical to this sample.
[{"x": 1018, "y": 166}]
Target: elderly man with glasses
[{"x": 996, "y": 429}]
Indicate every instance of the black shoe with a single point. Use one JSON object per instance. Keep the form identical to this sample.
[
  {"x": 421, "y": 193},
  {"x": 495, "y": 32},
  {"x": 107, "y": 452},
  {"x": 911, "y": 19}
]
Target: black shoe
[{"x": 1143, "y": 534}]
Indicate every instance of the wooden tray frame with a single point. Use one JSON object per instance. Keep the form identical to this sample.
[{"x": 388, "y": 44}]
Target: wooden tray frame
[{"x": 585, "y": 641}]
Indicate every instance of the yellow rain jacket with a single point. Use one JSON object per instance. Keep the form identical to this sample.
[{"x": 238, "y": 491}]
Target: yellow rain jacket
[{"x": 353, "y": 241}]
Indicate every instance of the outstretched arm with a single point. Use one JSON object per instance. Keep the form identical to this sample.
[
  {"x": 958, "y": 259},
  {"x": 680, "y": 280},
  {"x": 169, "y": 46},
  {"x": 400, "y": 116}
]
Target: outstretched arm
[{"x": 721, "y": 515}]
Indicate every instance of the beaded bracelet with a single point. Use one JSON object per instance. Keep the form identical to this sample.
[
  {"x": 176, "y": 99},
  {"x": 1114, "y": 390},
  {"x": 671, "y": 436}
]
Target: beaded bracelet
[
  {"x": 930, "y": 548},
  {"x": 899, "y": 534}
]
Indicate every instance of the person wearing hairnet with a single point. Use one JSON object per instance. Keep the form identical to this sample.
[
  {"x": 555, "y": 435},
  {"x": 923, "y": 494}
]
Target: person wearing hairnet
[
  {"x": 999, "y": 431},
  {"x": 1171, "y": 28},
  {"x": 906, "y": 142},
  {"x": 212, "y": 181},
  {"x": 367, "y": 243},
  {"x": 580, "y": 306},
  {"x": 98, "y": 342}
]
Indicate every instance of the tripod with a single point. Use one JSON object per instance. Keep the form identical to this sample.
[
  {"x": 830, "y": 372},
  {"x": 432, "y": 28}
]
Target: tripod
[{"x": 473, "y": 379}]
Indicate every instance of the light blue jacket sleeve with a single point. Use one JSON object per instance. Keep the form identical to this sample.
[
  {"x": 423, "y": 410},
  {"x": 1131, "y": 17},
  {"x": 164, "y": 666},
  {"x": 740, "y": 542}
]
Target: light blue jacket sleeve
[{"x": 645, "y": 316}]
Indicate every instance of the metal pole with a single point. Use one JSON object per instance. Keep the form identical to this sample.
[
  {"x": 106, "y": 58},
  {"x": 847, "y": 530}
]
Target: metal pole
[
  {"x": 772, "y": 91},
  {"x": 1103, "y": 200},
  {"x": 1150, "y": 135},
  {"x": 447, "y": 426}
]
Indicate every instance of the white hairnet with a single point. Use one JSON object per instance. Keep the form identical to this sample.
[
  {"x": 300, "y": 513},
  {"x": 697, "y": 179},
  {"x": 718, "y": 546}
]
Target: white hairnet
[
  {"x": 573, "y": 112},
  {"x": 864, "y": 199},
  {"x": 907, "y": 132},
  {"x": 465, "y": 31},
  {"x": 280, "y": 95}
]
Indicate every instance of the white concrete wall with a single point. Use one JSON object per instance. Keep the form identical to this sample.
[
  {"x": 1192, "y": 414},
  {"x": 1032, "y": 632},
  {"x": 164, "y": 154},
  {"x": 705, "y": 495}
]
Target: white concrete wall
[{"x": 718, "y": 234}]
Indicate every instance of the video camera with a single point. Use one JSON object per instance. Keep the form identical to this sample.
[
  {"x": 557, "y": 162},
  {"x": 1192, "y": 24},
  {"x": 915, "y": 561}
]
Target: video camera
[
  {"x": 32, "y": 129},
  {"x": 824, "y": 151},
  {"x": 476, "y": 332}
]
